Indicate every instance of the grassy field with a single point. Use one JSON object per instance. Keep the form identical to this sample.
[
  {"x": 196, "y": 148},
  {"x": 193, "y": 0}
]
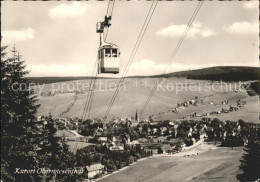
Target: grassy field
[
  {"x": 249, "y": 113},
  {"x": 64, "y": 133},
  {"x": 133, "y": 97},
  {"x": 54, "y": 104},
  {"x": 76, "y": 145},
  {"x": 216, "y": 164}
]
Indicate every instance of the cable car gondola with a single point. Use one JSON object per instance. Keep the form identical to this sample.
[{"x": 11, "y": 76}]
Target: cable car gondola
[
  {"x": 108, "y": 53},
  {"x": 108, "y": 59}
]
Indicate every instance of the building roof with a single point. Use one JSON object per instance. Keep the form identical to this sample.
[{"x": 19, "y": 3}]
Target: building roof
[
  {"x": 94, "y": 167},
  {"x": 134, "y": 122},
  {"x": 166, "y": 147},
  {"x": 116, "y": 148}
]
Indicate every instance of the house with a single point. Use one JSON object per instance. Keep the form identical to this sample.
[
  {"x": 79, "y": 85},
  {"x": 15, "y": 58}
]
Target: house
[
  {"x": 104, "y": 126},
  {"x": 225, "y": 110},
  {"x": 193, "y": 140},
  {"x": 186, "y": 104},
  {"x": 176, "y": 126},
  {"x": 102, "y": 139},
  {"x": 233, "y": 108},
  {"x": 223, "y": 135},
  {"x": 154, "y": 123},
  {"x": 192, "y": 102},
  {"x": 203, "y": 135},
  {"x": 128, "y": 123},
  {"x": 140, "y": 128},
  {"x": 154, "y": 130},
  {"x": 152, "y": 148},
  {"x": 100, "y": 130},
  {"x": 175, "y": 131},
  {"x": 142, "y": 140},
  {"x": 97, "y": 133},
  {"x": 116, "y": 148},
  {"x": 128, "y": 118},
  {"x": 206, "y": 114},
  {"x": 39, "y": 118},
  {"x": 115, "y": 139},
  {"x": 171, "y": 123},
  {"x": 190, "y": 134},
  {"x": 166, "y": 148},
  {"x": 125, "y": 138},
  {"x": 134, "y": 142},
  {"x": 175, "y": 110},
  {"x": 180, "y": 145},
  {"x": 149, "y": 130},
  {"x": 134, "y": 122},
  {"x": 198, "y": 115},
  {"x": 224, "y": 102},
  {"x": 160, "y": 139},
  {"x": 95, "y": 170},
  {"x": 163, "y": 130},
  {"x": 238, "y": 127},
  {"x": 218, "y": 112},
  {"x": 146, "y": 120}
]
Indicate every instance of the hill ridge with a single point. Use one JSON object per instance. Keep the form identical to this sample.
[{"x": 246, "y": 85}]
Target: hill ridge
[{"x": 225, "y": 73}]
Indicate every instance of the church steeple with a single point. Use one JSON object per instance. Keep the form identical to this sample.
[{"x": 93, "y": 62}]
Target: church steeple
[{"x": 137, "y": 116}]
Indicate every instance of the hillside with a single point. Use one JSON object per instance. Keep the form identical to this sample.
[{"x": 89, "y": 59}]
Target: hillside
[
  {"x": 132, "y": 98},
  {"x": 225, "y": 73},
  {"x": 47, "y": 80}
]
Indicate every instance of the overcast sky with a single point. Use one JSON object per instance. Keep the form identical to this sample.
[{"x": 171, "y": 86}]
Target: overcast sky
[{"x": 60, "y": 39}]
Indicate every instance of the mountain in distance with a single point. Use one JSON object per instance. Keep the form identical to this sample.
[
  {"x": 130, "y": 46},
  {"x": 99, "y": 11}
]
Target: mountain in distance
[
  {"x": 225, "y": 73},
  {"x": 55, "y": 79}
]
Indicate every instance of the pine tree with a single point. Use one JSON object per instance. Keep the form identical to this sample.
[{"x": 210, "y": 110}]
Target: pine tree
[
  {"x": 55, "y": 154},
  {"x": 18, "y": 115},
  {"x": 250, "y": 162},
  {"x": 26, "y": 142}
]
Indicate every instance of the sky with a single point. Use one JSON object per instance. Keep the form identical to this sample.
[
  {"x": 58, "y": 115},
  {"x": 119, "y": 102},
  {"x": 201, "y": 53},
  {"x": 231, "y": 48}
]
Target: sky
[{"x": 59, "y": 38}]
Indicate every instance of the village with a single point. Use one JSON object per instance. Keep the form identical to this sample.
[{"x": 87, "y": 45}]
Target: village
[
  {"x": 103, "y": 147},
  {"x": 226, "y": 107}
]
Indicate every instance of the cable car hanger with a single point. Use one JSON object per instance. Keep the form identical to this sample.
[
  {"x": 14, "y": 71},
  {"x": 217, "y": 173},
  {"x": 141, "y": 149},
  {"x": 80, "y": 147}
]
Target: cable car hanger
[
  {"x": 108, "y": 53},
  {"x": 105, "y": 23}
]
